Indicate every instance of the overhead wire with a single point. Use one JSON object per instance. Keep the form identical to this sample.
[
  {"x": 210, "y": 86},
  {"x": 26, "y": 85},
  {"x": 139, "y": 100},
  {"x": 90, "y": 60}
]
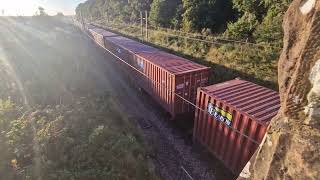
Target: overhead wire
[
  {"x": 212, "y": 37},
  {"x": 204, "y": 36},
  {"x": 214, "y": 41}
]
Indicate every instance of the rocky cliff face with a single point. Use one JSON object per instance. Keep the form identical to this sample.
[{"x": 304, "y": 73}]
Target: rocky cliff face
[
  {"x": 300, "y": 54},
  {"x": 291, "y": 149}
]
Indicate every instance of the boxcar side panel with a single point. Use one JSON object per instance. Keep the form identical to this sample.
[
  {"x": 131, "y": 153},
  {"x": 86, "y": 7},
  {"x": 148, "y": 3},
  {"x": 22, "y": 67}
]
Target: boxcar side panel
[{"x": 212, "y": 130}]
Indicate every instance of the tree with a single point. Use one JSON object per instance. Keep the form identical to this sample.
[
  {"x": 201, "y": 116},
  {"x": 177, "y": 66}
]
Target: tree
[
  {"x": 137, "y": 6},
  {"x": 200, "y": 14},
  {"x": 163, "y": 12},
  {"x": 243, "y": 27},
  {"x": 42, "y": 11},
  {"x": 259, "y": 20},
  {"x": 60, "y": 14},
  {"x": 270, "y": 29},
  {"x": 249, "y": 6},
  {"x": 114, "y": 10}
]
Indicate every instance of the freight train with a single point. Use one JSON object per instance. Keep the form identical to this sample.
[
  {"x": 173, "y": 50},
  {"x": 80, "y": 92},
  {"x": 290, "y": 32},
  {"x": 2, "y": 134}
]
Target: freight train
[{"x": 230, "y": 118}]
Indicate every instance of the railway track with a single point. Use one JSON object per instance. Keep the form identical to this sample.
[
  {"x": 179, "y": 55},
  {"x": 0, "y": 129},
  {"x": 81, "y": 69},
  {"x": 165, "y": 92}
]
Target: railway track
[{"x": 173, "y": 155}]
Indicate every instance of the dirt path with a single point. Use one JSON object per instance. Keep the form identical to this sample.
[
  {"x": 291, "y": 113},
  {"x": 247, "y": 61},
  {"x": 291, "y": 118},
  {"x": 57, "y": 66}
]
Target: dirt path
[{"x": 63, "y": 64}]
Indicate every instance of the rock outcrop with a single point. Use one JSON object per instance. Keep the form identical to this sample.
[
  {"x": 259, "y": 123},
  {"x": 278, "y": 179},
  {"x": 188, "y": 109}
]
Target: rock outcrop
[{"x": 291, "y": 149}]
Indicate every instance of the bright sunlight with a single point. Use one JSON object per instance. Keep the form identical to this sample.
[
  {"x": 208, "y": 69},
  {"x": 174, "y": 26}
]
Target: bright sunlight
[{"x": 29, "y": 7}]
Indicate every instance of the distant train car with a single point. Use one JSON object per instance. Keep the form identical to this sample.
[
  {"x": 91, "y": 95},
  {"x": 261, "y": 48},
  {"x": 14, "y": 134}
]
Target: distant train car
[
  {"x": 126, "y": 48},
  {"x": 233, "y": 121},
  {"x": 169, "y": 79},
  {"x": 89, "y": 26},
  {"x": 100, "y": 34}
]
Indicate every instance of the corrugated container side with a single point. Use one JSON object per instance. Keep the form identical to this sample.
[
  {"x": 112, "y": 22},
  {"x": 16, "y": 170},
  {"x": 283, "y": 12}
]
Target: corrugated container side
[
  {"x": 165, "y": 74},
  {"x": 241, "y": 105},
  {"x": 158, "y": 83},
  {"x": 112, "y": 43},
  {"x": 164, "y": 83}
]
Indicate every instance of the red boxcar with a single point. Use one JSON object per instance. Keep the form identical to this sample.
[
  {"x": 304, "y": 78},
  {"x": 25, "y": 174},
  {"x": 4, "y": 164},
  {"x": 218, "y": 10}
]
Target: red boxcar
[
  {"x": 161, "y": 74},
  {"x": 168, "y": 73},
  {"x": 233, "y": 121},
  {"x": 126, "y": 48}
]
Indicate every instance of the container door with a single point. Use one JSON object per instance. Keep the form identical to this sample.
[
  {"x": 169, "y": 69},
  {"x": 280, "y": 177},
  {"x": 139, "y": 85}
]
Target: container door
[
  {"x": 186, "y": 87},
  {"x": 181, "y": 84}
]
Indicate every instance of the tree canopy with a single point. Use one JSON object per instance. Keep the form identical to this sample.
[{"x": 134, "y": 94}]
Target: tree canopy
[
  {"x": 240, "y": 19},
  {"x": 164, "y": 12},
  {"x": 42, "y": 11}
]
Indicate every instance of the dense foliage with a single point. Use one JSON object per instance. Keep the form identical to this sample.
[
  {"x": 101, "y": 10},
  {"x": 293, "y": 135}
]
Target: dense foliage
[
  {"x": 212, "y": 14},
  {"x": 242, "y": 17},
  {"x": 164, "y": 12},
  {"x": 258, "y": 20},
  {"x": 113, "y": 10}
]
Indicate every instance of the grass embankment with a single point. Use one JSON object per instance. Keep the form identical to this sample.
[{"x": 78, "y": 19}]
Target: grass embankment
[
  {"x": 85, "y": 140},
  {"x": 70, "y": 128},
  {"x": 229, "y": 60}
]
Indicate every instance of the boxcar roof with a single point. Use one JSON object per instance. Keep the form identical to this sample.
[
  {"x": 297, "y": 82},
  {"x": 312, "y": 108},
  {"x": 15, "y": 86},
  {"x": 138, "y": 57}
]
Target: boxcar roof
[
  {"x": 103, "y": 32},
  {"x": 260, "y": 103},
  {"x": 90, "y": 26},
  {"x": 131, "y": 45},
  {"x": 169, "y": 62},
  {"x": 172, "y": 63}
]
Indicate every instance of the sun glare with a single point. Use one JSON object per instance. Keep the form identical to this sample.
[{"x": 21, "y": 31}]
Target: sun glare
[
  {"x": 30, "y": 7},
  {"x": 18, "y": 7}
]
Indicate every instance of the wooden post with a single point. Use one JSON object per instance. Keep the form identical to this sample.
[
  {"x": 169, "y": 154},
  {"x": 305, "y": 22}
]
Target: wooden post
[
  {"x": 141, "y": 24},
  {"x": 146, "y": 25},
  {"x": 82, "y": 21}
]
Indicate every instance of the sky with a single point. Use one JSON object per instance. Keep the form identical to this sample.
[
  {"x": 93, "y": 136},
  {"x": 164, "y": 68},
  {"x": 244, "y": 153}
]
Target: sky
[{"x": 29, "y": 7}]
